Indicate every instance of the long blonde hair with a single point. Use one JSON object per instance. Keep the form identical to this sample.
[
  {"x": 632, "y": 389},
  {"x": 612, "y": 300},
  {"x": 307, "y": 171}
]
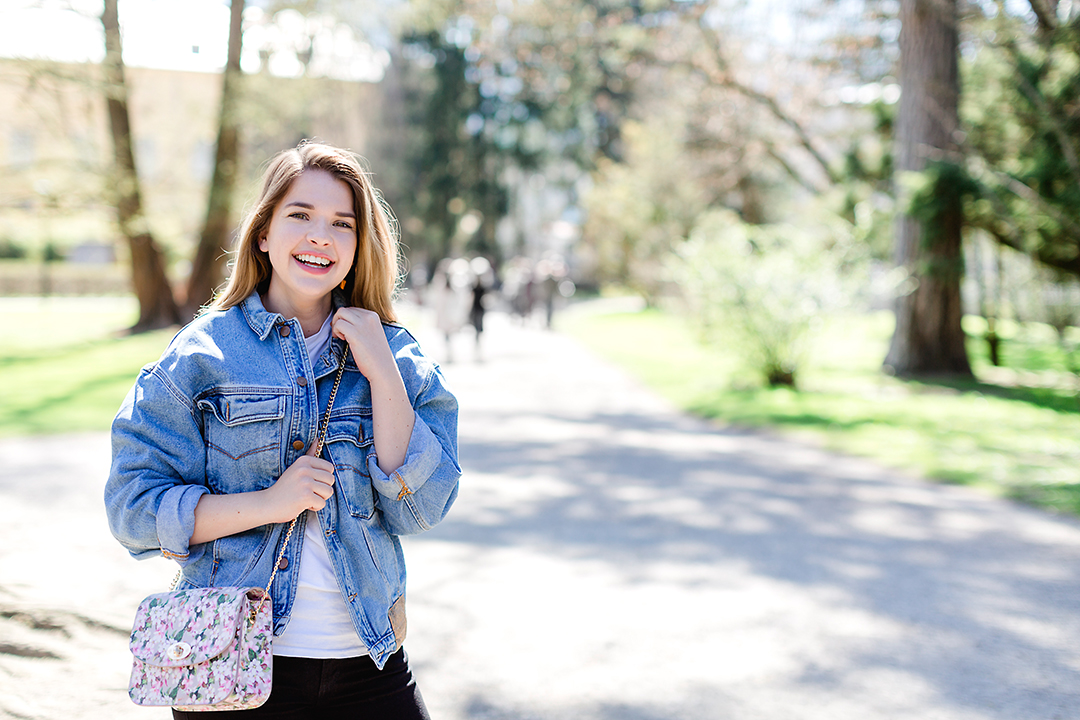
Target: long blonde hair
[{"x": 371, "y": 281}]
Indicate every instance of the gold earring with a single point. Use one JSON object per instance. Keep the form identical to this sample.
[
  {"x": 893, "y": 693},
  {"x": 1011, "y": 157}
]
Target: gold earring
[{"x": 342, "y": 286}]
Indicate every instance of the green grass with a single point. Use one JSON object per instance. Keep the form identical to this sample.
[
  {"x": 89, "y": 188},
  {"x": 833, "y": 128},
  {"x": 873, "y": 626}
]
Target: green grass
[
  {"x": 66, "y": 363},
  {"x": 1014, "y": 431}
]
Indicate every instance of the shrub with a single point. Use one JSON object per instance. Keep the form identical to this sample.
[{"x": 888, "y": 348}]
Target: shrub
[
  {"x": 761, "y": 288},
  {"x": 11, "y": 250}
]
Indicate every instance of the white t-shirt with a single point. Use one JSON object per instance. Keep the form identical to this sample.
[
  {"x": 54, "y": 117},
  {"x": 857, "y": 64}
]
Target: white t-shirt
[{"x": 320, "y": 625}]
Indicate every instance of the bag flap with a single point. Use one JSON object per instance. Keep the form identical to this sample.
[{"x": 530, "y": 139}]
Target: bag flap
[{"x": 187, "y": 627}]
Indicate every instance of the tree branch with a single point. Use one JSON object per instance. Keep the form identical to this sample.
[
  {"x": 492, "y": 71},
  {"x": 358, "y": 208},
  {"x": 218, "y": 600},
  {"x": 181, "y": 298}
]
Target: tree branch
[
  {"x": 1012, "y": 241},
  {"x": 1014, "y": 238},
  {"x": 775, "y": 155},
  {"x": 725, "y": 78},
  {"x": 771, "y": 104},
  {"x": 1045, "y": 111},
  {"x": 1046, "y": 13}
]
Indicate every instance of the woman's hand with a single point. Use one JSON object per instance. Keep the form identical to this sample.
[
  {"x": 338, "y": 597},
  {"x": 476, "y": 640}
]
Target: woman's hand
[
  {"x": 306, "y": 485},
  {"x": 392, "y": 414},
  {"x": 363, "y": 330}
]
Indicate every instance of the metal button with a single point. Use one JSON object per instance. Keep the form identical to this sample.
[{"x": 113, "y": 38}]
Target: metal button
[
  {"x": 283, "y": 564},
  {"x": 284, "y": 330},
  {"x": 178, "y": 651},
  {"x": 298, "y": 445},
  {"x": 301, "y": 381}
]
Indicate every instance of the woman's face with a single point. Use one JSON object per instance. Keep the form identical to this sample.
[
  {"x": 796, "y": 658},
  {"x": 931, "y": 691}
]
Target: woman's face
[{"x": 311, "y": 242}]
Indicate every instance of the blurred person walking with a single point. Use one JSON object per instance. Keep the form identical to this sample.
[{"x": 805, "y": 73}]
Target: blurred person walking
[
  {"x": 554, "y": 283},
  {"x": 483, "y": 281},
  {"x": 450, "y": 300},
  {"x": 214, "y": 448},
  {"x": 519, "y": 287}
]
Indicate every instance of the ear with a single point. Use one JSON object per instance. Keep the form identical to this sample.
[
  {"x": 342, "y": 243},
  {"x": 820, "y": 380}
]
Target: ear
[{"x": 262, "y": 244}]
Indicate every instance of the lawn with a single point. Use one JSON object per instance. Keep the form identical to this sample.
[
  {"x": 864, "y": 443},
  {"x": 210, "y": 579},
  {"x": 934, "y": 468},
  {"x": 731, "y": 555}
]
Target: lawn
[
  {"x": 66, "y": 363},
  {"x": 1014, "y": 431}
]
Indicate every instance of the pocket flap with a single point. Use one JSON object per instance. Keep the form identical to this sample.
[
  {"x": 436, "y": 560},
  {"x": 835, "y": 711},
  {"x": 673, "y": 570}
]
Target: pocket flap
[
  {"x": 237, "y": 408},
  {"x": 187, "y": 627},
  {"x": 348, "y": 426}
]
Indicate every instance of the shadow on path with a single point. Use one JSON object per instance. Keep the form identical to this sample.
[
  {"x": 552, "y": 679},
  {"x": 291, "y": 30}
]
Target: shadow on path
[{"x": 985, "y": 593}]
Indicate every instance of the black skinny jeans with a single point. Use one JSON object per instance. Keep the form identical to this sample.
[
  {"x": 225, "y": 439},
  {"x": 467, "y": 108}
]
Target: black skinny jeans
[{"x": 351, "y": 689}]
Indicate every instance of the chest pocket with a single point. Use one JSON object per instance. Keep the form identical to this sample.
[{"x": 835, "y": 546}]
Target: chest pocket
[
  {"x": 349, "y": 438},
  {"x": 243, "y": 432}
]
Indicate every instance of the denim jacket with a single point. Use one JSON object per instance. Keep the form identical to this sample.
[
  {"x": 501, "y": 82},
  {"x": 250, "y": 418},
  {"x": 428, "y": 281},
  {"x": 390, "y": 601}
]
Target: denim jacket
[{"x": 234, "y": 401}]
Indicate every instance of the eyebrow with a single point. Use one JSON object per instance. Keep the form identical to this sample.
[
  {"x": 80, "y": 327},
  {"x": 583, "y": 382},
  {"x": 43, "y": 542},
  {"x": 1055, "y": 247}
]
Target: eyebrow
[{"x": 309, "y": 206}]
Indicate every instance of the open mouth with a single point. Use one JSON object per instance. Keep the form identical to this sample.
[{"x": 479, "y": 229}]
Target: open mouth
[{"x": 313, "y": 261}]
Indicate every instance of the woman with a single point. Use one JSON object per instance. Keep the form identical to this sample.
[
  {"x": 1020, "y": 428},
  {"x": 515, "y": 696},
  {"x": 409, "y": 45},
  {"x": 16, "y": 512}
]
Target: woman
[{"x": 213, "y": 450}]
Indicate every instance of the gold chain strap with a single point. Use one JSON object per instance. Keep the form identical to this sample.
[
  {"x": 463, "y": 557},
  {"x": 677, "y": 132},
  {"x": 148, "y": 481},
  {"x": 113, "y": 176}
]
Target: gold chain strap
[{"x": 318, "y": 451}]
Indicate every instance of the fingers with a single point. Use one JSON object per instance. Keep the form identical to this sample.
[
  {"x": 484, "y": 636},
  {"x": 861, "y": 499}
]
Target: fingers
[
  {"x": 363, "y": 331},
  {"x": 309, "y": 460},
  {"x": 323, "y": 475},
  {"x": 350, "y": 323},
  {"x": 321, "y": 487},
  {"x": 306, "y": 485}
]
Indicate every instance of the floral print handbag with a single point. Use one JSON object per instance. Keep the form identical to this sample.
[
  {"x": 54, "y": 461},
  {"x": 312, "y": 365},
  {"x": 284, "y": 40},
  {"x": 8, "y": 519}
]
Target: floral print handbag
[
  {"x": 209, "y": 648},
  {"x": 202, "y": 649}
]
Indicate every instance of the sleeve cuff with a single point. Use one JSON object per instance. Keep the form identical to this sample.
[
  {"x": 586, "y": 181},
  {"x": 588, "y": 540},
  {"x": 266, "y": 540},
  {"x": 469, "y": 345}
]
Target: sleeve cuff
[
  {"x": 176, "y": 522},
  {"x": 421, "y": 459}
]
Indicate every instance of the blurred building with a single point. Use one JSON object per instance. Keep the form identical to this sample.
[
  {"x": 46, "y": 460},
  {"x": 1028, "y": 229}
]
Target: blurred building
[{"x": 56, "y": 150}]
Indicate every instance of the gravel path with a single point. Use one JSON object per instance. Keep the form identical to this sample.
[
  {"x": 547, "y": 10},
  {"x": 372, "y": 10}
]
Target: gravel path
[{"x": 611, "y": 559}]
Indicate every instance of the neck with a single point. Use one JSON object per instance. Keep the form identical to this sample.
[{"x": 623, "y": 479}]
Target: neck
[
  {"x": 311, "y": 315},
  {"x": 313, "y": 322}
]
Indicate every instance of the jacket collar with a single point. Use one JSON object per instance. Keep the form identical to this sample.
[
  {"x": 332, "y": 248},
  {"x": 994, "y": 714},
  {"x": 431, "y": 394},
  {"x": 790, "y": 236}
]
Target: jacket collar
[
  {"x": 258, "y": 318},
  {"x": 263, "y": 322}
]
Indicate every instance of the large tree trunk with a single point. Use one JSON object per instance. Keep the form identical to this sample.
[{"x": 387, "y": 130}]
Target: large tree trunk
[
  {"x": 928, "y": 339},
  {"x": 157, "y": 308},
  {"x": 208, "y": 267}
]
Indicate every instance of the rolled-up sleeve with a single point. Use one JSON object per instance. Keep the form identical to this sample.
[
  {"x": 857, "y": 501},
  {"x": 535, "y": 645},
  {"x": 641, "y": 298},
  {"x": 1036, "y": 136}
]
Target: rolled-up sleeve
[
  {"x": 417, "y": 495},
  {"x": 422, "y": 458},
  {"x": 158, "y": 471}
]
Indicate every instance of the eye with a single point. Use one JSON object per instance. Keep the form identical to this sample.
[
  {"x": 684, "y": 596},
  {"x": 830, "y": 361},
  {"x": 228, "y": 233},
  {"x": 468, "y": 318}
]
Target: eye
[
  {"x": 299, "y": 215},
  {"x": 344, "y": 224}
]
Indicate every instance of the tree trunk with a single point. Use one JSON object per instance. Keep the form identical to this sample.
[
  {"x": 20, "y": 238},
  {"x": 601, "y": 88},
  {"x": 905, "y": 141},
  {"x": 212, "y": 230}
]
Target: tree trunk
[
  {"x": 1046, "y": 15},
  {"x": 157, "y": 308},
  {"x": 928, "y": 339},
  {"x": 208, "y": 267}
]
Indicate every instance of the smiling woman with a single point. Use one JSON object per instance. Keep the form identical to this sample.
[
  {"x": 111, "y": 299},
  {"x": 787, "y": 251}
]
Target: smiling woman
[
  {"x": 218, "y": 451},
  {"x": 311, "y": 244},
  {"x": 301, "y": 202}
]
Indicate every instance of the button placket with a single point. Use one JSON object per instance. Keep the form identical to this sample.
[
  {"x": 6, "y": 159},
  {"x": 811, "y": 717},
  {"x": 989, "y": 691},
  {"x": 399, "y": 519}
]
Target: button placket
[{"x": 298, "y": 444}]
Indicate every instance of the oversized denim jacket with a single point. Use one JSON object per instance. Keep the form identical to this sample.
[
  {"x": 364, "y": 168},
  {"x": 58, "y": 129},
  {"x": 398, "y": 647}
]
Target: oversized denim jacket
[{"x": 233, "y": 402}]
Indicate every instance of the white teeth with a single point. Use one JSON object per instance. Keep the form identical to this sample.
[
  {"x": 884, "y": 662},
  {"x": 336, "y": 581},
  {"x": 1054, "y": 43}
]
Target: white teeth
[{"x": 313, "y": 260}]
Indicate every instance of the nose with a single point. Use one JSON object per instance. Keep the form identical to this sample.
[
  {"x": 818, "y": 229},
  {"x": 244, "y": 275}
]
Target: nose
[{"x": 319, "y": 232}]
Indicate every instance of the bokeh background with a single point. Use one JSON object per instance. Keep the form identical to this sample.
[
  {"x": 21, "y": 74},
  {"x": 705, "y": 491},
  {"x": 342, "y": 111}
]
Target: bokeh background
[
  {"x": 762, "y": 315},
  {"x": 856, "y": 221}
]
